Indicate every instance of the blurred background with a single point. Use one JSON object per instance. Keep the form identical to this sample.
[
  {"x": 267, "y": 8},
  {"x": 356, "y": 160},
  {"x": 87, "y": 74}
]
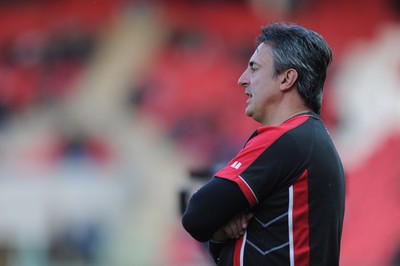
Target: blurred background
[{"x": 113, "y": 112}]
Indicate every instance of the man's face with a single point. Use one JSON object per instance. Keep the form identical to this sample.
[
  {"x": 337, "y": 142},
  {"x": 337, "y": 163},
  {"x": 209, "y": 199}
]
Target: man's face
[{"x": 260, "y": 84}]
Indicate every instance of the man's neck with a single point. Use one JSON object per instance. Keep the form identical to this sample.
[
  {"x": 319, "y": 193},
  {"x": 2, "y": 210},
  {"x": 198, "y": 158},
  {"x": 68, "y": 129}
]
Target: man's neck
[{"x": 279, "y": 118}]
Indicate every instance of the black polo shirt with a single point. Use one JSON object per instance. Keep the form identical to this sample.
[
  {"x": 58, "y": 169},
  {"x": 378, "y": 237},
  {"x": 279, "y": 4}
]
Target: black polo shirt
[{"x": 292, "y": 179}]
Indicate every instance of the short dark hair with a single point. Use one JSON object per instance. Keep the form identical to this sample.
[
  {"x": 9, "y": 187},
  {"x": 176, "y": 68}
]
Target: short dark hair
[{"x": 303, "y": 50}]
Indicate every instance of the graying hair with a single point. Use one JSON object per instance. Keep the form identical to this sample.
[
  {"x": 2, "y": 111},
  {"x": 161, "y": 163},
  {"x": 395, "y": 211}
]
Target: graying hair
[{"x": 294, "y": 47}]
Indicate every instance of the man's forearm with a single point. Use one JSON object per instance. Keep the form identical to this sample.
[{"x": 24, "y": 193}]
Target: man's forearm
[{"x": 212, "y": 207}]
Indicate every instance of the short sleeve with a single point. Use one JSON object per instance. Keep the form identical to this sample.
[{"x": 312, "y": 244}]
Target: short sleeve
[{"x": 264, "y": 160}]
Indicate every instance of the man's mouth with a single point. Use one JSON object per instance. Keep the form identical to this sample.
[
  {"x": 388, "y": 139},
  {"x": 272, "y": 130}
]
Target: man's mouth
[{"x": 249, "y": 97}]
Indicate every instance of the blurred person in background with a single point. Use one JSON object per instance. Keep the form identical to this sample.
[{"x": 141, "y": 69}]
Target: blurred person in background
[{"x": 281, "y": 200}]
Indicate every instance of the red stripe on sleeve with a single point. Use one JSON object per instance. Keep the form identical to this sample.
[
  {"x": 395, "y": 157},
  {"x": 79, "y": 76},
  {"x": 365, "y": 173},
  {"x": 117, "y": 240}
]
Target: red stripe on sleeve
[
  {"x": 301, "y": 232},
  {"x": 246, "y": 189}
]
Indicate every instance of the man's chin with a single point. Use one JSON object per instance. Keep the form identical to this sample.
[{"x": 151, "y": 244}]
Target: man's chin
[{"x": 248, "y": 112}]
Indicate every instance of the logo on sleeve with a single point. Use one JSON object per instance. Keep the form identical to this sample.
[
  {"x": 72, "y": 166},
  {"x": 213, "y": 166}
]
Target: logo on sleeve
[{"x": 236, "y": 165}]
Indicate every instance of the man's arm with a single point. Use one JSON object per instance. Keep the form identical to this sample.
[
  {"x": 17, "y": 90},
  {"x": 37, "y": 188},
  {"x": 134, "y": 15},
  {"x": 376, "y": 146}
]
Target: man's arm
[{"x": 212, "y": 207}]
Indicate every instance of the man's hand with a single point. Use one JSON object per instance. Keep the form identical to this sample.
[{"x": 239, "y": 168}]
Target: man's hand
[{"x": 234, "y": 228}]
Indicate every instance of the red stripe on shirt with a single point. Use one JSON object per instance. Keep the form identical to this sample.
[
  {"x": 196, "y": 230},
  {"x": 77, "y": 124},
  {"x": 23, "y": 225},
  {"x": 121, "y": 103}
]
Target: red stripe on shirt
[
  {"x": 237, "y": 253},
  {"x": 301, "y": 231}
]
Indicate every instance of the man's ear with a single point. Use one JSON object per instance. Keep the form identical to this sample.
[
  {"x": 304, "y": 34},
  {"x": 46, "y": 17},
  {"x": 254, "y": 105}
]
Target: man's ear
[{"x": 288, "y": 80}]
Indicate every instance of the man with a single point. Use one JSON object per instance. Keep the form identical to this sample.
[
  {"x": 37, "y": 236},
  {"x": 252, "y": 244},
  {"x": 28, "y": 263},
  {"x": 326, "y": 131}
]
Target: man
[{"x": 280, "y": 201}]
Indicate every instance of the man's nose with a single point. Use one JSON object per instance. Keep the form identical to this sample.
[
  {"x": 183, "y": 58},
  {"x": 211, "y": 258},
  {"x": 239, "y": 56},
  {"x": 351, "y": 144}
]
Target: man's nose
[{"x": 243, "y": 80}]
